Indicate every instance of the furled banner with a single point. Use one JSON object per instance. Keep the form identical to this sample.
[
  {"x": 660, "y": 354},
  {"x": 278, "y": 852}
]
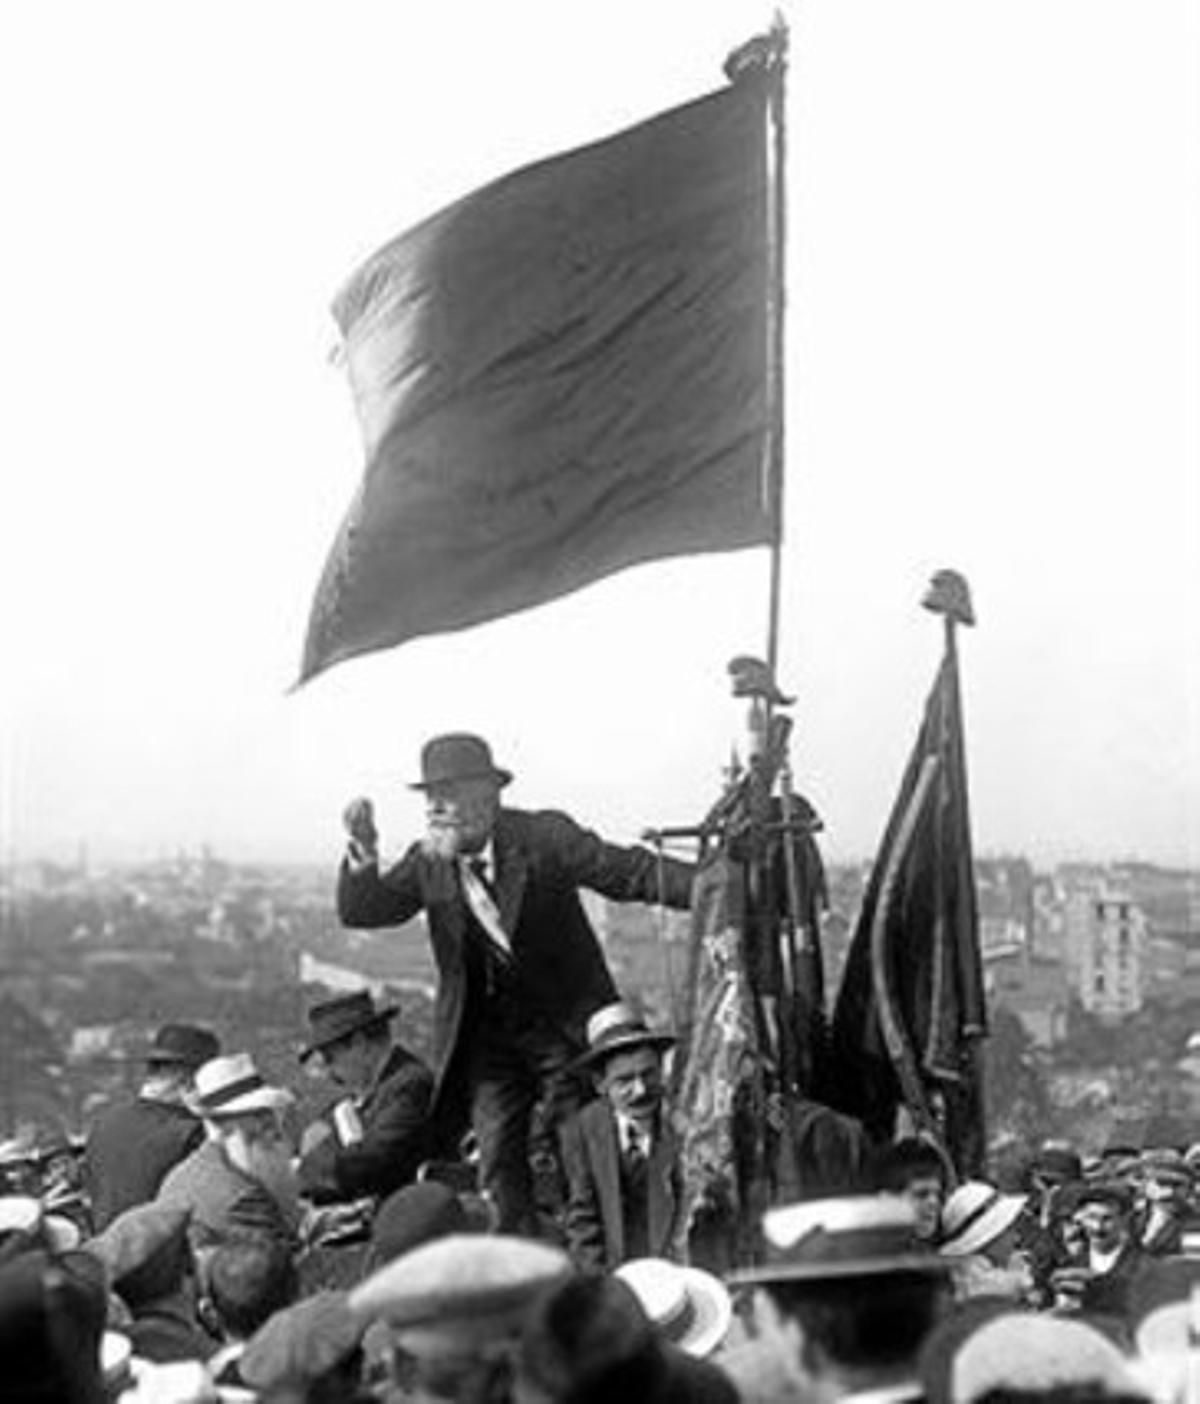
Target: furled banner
[
  {"x": 911, "y": 1010},
  {"x": 561, "y": 375}
]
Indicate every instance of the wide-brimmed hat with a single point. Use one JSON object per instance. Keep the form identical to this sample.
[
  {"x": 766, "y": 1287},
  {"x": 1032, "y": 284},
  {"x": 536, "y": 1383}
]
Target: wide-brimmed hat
[
  {"x": 233, "y": 1086},
  {"x": 818, "y": 1240},
  {"x": 182, "y": 1045},
  {"x": 332, "y": 1020},
  {"x": 457, "y": 756},
  {"x": 615, "y": 1028},
  {"x": 975, "y": 1215},
  {"x": 688, "y": 1307}
]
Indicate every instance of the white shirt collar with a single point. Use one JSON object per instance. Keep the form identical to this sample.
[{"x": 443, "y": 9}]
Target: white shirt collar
[{"x": 629, "y": 1127}]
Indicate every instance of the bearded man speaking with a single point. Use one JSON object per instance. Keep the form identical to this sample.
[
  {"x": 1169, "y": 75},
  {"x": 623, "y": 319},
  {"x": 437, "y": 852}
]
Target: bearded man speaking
[{"x": 520, "y": 969}]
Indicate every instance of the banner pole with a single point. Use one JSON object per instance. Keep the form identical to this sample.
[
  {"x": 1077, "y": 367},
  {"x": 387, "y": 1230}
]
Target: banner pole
[{"x": 776, "y": 300}]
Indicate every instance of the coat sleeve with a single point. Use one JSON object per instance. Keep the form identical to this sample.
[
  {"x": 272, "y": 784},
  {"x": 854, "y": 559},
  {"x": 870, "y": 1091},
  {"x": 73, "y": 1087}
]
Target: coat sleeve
[
  {"x": 367, "y": 898},
  {"x": 582, "y": 1220},
  {"x": 630, "y": 874},
  {"x": 394, "y": 1145}
]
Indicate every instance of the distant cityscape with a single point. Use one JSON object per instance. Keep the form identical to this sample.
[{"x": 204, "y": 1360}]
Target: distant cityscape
[{"x": 1093, "y": 974}]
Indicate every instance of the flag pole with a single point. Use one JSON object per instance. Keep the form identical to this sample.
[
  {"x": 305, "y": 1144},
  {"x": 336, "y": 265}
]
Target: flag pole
[{"x": 765, "y": 58}]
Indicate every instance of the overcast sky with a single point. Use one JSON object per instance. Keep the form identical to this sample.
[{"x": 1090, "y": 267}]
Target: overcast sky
[{"x": 993, "y": 365}]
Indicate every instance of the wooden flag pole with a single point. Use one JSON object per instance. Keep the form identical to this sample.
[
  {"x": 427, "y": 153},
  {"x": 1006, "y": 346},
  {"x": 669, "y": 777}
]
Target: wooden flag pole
[
  {"x": 764, "y": 58},
  {"x": 777, "y": 214}
]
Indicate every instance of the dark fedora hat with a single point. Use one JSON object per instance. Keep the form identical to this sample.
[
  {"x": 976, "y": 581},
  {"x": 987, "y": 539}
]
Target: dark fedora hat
[
  {"x": 331, "y": 1020},
  {"x": 182, "y": 1045},
  {"x": 864, "y": 1235},
  {"x": 457, "y": 756},
  {"x": 615, "y": 1028}
]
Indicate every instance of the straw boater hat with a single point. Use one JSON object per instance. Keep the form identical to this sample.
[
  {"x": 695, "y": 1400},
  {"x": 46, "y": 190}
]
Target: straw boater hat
[
  {"x": 687, "y": 1307},
  {"x": 233, "y": 1086},
  {"x": 24, "y": 1223},
  {"x": 457, "y": 756},
  {"x": 821, "y": 1240},
  {"x": 334, "y": 1019},
  {"x": 615, "y": 1028},
  {"x": 975, "y": 1215}
]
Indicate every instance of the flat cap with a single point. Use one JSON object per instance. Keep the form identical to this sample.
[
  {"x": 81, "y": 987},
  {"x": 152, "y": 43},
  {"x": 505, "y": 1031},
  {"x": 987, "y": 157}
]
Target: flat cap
[
  {"x": 144, "y": 1250},
  {"x": 465, "y": 1290},
  {"x": 303, "y": 1342}
]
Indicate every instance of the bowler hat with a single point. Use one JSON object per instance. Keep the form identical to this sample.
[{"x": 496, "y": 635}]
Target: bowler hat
[
  {"x": 865, "y": 1235},
  {"x": 184, "y": 1045},
  {"x": 615, "y": 1028},
  {"x": 337, "y": 1018},
  {"x": 457, "y": 756}
]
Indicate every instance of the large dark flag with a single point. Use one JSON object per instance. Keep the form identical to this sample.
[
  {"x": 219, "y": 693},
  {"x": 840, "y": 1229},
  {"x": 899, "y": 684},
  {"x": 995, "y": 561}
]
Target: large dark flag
[
  {"x": 559, "y": 376},
  {"x": 910, "y": 1012}
]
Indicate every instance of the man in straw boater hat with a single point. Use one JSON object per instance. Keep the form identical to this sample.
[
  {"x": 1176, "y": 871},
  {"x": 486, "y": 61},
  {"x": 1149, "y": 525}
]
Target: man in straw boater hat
[
  {"x": 844, "y": 1302},
  {"x": 377, "y": 1137},
  {"x": 130, "y": 1147},
  {"x": 520, "y": 968},
  {"x": 620, "y": 1152},
  {"x": 241, "y": 1179}
]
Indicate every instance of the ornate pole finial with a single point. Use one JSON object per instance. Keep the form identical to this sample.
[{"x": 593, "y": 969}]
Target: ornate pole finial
[
  {"x": 761, "y": 54},
  {"x": 950, "y": 595},
  {"x": 751, "y": 677}
]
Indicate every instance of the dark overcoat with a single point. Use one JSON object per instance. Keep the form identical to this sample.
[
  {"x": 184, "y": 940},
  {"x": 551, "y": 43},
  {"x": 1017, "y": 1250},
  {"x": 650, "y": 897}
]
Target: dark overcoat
[
  {"x": 396, "y": 1137},
  {"x": 541, "y": 860},
  {"x": 129, "y": 1150}
]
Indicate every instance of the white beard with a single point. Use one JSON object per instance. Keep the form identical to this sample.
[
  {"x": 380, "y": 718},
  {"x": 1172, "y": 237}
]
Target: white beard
[{"x": 442, "y": 841}]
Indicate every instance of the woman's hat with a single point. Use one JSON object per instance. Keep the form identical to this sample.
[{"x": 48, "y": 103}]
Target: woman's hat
[
  {"x": 233, "y": 1086},
  {"x": 688, "y": 1307},
  {"x": 334, "y": 1019},
  {"x": 975, "y": 1215},
  {"x": 457, "y": 756},
  {"x": 614, "y": 1028}
]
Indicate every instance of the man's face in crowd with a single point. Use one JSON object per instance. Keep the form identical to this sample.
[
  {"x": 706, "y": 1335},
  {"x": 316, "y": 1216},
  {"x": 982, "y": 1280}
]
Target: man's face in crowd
[
  {"x": 259, "y": 1145},
  {"x": 461, "y": 814},
  {"x": 633, "y": 1082},
  {"x": 1104, "y": 1225},
  {"x": 925, "y": 1194},
  {"x": 350, "y": 1062}
]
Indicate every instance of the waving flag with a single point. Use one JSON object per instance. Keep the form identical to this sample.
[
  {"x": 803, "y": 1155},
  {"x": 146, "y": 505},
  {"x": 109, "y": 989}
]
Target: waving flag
[{"x": 561, "y": 375}]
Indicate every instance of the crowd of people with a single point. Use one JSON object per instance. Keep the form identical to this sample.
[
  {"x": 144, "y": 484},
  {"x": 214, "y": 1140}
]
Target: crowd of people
[{"x": 509, "y": 1223}]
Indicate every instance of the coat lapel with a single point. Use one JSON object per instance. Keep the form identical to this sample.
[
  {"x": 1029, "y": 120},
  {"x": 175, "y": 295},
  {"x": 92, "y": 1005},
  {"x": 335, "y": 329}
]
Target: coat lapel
[
  {"x": 512, "y": 869},
  {"x": 662, "y": 1192},
  {"x": 606, "y": 1163}
]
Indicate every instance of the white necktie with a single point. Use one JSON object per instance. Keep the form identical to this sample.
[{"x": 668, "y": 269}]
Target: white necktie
[{"x": 483, "y": 904}]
